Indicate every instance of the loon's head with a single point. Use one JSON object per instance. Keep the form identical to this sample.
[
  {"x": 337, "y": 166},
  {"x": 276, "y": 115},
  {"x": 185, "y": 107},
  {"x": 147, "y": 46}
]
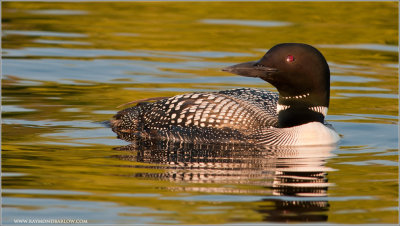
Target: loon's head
[{"x": 299, "y": 72}]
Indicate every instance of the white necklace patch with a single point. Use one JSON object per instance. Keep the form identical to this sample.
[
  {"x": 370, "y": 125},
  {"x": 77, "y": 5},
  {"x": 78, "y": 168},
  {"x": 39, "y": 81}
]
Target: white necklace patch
[
  {"x": 280, "y": 107},
  {"x": 297, "y": 97},
  {"x": 320, "y": 109}
]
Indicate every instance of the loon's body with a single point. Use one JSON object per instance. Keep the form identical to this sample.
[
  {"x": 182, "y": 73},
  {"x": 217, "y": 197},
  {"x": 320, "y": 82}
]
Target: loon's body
[{"x": 292, "y": 117}]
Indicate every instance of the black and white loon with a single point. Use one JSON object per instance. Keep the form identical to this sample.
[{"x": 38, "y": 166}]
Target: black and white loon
[{"x": 292, "y": 117}]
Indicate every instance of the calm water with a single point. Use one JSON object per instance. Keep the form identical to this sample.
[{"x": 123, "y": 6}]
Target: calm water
[{"x": 66, "y": 66}]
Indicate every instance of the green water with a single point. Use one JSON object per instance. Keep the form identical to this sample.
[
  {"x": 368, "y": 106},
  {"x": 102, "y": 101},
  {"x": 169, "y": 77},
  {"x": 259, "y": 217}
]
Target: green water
[{"x": 66, "y": 66}]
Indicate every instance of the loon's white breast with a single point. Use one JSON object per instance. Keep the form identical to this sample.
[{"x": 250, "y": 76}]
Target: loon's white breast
[{"x": 313, "y": 133}]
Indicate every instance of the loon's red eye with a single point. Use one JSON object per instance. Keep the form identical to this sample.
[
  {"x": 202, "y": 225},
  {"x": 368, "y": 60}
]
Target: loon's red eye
[{"x": 290, "y": 58}]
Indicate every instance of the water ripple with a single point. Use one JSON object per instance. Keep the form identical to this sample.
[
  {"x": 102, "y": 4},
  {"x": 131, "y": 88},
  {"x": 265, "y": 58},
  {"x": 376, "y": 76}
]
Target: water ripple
[
  {"x": 372, "y": 47},
  {"x": 253, "y": 23},
  {"x": 42, "y": 33}
]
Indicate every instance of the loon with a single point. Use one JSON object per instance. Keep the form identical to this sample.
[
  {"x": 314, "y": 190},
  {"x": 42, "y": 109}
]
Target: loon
[{"x": 295, "y": 116}]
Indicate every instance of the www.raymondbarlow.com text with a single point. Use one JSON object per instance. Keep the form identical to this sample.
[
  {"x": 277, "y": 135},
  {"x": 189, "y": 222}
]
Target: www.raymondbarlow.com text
[{"x": 50, "y": 221}]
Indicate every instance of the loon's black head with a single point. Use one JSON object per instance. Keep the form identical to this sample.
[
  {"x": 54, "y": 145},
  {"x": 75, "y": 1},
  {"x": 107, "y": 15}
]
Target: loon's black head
[{"x": 299, "y": 72}]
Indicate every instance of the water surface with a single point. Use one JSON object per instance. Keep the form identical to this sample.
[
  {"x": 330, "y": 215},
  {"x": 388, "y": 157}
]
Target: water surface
[{"x": 66, "y": 66}]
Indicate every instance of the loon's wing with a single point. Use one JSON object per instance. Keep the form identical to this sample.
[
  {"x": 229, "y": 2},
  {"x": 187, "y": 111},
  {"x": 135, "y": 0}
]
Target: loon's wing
[{"x": 197, "y": 114}]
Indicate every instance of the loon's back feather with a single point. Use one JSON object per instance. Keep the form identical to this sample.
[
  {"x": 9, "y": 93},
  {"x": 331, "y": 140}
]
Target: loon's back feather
[
  {"x": 263, "y": 99},
  {"x": 231, "y": 115}
]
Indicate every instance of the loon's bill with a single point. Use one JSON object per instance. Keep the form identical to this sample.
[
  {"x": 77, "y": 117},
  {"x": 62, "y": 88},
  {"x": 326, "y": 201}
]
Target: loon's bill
[
  {"x": 250, "y": 69},
  {"x": 295, "y": 116}
]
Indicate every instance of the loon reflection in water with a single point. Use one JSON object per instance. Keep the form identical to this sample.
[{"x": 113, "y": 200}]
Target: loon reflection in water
[{"x": 291, "y": 181}]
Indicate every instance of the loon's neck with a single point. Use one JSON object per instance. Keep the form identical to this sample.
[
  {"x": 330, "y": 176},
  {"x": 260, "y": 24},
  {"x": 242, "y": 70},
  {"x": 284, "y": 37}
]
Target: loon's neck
[{"x": 298, "y": 110}]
